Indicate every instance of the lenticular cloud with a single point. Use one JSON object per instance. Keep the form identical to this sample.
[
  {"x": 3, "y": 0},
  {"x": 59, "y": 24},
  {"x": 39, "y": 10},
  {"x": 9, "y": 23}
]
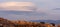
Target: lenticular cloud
[{"x": 17, "y": 6}]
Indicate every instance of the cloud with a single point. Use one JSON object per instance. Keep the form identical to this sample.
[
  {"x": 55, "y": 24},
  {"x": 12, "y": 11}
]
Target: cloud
[
  {"x": 57, "y": 9},
  {"x": 17, "y": 6}
]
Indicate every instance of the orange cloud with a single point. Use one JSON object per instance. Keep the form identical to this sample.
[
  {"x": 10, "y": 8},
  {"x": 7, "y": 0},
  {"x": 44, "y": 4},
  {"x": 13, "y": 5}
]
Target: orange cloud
[{"x": 18, "y": 6}]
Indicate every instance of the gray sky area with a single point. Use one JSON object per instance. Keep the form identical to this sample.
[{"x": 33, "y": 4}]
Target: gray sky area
[{"x": 30, "y": 9}]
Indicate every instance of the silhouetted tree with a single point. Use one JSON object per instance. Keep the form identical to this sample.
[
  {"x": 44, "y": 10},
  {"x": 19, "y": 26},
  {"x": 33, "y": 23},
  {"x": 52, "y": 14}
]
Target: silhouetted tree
[
  {"x": 52, "y": 24},
  {"x": 42, "y": 22}
]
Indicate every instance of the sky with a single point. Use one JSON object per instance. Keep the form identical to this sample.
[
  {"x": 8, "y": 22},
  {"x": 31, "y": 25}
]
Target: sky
[{"x": 30, "y": 9}]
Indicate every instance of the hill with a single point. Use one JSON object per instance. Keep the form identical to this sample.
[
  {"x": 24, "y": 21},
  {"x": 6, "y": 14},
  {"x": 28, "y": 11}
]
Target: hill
[{"x": 47, "y": 21}]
